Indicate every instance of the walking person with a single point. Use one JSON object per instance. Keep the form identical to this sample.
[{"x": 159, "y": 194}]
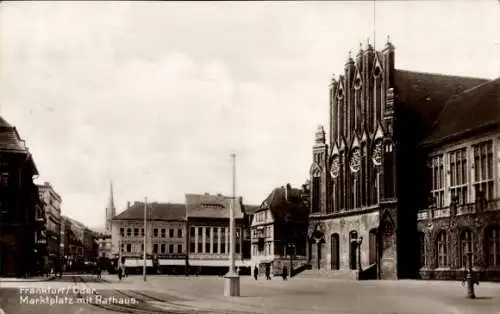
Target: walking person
[
  {"x": 284, "y": 273},
  {"x": 99, "y": 271},
  {"x": 256, "y": 272},
  {"x": 268, "y": 272}
]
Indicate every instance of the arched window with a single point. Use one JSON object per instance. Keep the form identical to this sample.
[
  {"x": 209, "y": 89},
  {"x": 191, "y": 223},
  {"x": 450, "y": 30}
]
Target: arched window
[
  {"x": 493, "y": 246},
  {"x": 421, "y": 239},
  {"x": 442, "y": 249},
  {"x": 466, "y": 245},
  {"x": 342, "y": 191}
]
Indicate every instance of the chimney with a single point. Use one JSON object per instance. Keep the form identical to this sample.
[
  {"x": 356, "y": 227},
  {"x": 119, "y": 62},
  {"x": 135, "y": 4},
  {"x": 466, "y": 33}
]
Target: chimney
[
  {"x": 288, "y": 188},
  {"x": 128, "y": 204}
]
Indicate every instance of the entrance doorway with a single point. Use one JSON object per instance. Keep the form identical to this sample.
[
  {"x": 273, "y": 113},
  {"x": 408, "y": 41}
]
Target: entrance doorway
[
  {"x": 335, "y": 251},
  {"x": 353, "y": 237}
]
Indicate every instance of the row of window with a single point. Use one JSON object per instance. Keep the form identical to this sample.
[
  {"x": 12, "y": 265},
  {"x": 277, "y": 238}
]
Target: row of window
[
  {"x": 127, "y": 247},
  {"x": 265, "y": 232},
  {"x": 163, "y": 232},
  {"x": 466, "y": 244},
  {"x": 263, "y": 249},
  {"x": 261, "y": 216},
  {"x": 205, "y": 249},
  {"x": 451, "y": 175}
]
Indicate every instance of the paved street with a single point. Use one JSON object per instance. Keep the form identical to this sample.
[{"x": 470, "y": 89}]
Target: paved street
[{"x": 171, "y": 294}]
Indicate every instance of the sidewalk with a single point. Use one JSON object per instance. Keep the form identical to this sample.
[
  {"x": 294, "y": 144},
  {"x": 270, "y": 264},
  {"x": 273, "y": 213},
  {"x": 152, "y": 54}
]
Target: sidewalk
[{"x": 30, "y": 279}]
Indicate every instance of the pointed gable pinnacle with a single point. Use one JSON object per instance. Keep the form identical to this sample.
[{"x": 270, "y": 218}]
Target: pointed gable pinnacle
[
  {"x": 364, "y": 136},
  {"x": 358, "y": 82},
  {"x": 355, "y": 141},
  {"x": 379, "y": 133},
  {"x": 335, "y": 149}
]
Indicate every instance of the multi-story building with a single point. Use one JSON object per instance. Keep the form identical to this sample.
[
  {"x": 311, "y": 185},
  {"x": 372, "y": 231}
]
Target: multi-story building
[
  {"x": 51, "y": 202},
  {"x": 165, "y": 236},
  {"x": 368, "y": 181},
  {"x": 104, "y": 243},
  {"x": 279, "y": 230},
  {"x": 208, "y": 227},
  {"x": 20, "y": 223},
  {"x": 463, "y": 216}
]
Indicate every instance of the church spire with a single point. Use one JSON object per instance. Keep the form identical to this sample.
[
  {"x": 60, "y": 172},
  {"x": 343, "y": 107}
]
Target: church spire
[{"x": 110, "y": 209}]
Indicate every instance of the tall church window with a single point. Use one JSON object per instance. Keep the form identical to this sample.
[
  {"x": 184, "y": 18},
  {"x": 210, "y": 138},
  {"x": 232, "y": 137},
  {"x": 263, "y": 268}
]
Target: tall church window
[
  {"x": 458, "y": 175},
  {"x": 442, "y": 250},
  {"x": 483, "y": 166},
  {"x": 466, "y": 245},
  {"x": 493, "y": 246},
  {"x": 437, "y": 176},
  {"x": 388, "y": 171},
  {"x": 364, "y": 174},
  {"x": 342, "y": 182},
  {"x": 316, "y": 194}
]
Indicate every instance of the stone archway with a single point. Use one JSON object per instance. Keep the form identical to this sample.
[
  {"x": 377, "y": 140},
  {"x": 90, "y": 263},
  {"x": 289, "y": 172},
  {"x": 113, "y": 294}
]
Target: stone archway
[
  {"x": 317, "y": 241},
  {"x": 388, "y": 253}
]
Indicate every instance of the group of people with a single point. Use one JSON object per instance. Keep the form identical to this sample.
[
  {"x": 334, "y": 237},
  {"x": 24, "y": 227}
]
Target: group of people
[{"x": 284, "y": 272}]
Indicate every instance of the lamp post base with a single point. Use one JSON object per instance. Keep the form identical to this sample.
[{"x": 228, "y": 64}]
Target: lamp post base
[{"x": 231, "y": 285}]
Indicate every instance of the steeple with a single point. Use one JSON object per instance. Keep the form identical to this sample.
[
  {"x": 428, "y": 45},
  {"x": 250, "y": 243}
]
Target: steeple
[{"x": 110, "y": 209}]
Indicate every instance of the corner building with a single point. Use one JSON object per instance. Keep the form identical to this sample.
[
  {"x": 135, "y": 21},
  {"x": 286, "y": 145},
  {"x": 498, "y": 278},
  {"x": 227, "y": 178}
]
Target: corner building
[{"x": 368, "y": 180}]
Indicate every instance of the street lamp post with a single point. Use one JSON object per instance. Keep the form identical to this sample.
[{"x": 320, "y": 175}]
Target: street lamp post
[
  {"x": 470, "y": 278},
  {"x": 232, "y": 279},
  {"x": 359, "y": 241},
  {"x": 291, "y": 246},
  {"x": 144, "y": 251}
]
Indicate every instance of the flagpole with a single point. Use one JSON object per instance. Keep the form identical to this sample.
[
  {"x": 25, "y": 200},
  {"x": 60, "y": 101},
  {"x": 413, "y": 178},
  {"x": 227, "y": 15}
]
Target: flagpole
[
  {"x": 145, "y": 232},
  {"x": 232, "y": 279}
]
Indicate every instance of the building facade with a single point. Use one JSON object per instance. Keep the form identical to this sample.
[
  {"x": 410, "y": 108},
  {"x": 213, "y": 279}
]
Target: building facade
[
  {"x": 20, "y": 223},
  {"x": 51, "y": 202},
  {"x": 208, "y": 233},
  {"x": 279, "y": 230},
  {"x": 165, "y": 236},
  {"x": 367, "y": 180},
  {"x": 463, "y": 214}
]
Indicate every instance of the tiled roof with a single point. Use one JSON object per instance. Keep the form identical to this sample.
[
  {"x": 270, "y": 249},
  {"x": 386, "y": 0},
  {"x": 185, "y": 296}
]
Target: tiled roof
[
  {"x": 473, "y": 109},
  {"x": 281, "y": 208},
  {"x": 250, "y": 209},
  {"x": 9, "y": 138},
  {"x": 426, "y": 93},
  {"x": 155, "y": 211},
  {"x": 211, "y": 206}
]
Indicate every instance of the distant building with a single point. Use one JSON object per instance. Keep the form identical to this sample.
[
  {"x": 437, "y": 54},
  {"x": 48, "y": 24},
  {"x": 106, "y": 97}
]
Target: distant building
[
  {"x": 110, "y": 210},
  {"x": 21, "y": 226},
  {"x": 51, "y": 202},
  {"x": 165, "y": 236},
  {"x": 104, "y": 241},
  {"x": 371, "y": 178},
  {"x": 208, "y": 238},
  {"x": 279, "y": 230}
]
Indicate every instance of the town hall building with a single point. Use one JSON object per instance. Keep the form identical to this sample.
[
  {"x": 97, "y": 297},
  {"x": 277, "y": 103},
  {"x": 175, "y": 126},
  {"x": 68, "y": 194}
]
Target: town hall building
[{"x": 371, "y": 177}]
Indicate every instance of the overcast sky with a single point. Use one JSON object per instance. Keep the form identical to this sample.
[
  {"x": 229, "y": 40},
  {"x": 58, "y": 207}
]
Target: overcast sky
[{"x": 155, "y": 96}]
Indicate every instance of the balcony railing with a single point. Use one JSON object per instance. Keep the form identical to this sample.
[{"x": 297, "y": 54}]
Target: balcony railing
[{"x": 461, "y": 209}]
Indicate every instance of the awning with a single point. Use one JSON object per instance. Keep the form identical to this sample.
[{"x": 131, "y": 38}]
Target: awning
[
  {"x": 172, "y": 262},
  {"x": 218, "y": 263},
  {"x": 137, "y": 263}
]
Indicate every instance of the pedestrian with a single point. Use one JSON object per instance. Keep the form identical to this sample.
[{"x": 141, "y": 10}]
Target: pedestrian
[
  {"x": 98, "y": 271},
  {"x": 284, "y": 273},
  {"x": 268, "y": 272},
  {"x": 255, "y": 272},
  {"x": 120, "y": 272}
]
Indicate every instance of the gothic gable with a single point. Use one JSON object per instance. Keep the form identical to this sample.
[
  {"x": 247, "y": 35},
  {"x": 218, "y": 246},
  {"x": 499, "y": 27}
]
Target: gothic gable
[{"x": 315, "y": 170}]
